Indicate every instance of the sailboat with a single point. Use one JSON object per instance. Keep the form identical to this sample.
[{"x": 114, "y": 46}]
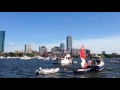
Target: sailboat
[{"x": 83, "y": 63}]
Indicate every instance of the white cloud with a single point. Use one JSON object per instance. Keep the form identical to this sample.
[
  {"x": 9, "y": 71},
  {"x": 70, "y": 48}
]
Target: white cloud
[
  {"x": 11, "y": 44},
  {"x": 93, "y": 17},
  {"x": 97, "y": 45}
]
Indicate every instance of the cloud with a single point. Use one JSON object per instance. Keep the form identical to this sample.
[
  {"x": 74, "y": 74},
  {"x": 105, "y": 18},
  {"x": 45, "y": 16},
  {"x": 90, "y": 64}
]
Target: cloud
[
  {"x": 11, "y": 44},
  {"x": 109, "y": 44},
  {"x": 41, "y": 35},
  {"x": 93, "y": 17}
]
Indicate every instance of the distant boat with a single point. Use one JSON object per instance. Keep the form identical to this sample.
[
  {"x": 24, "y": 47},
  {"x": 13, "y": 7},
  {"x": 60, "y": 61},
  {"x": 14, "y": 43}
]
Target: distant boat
[
  {"x": 115, "y": 61},
  {"x": 74, "y": 62},
  {"x": 8, "y": 57},
  {"x": 25, "y": 57},
  {"x": 47, "y": 58},
  {"x": 63, "y": 60},
  {"x": 1, "y": 57},
  {"x": 39, "y": 57}
]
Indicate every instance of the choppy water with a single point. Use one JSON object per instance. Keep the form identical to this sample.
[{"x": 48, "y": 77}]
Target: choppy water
[{"x": 16, "y": 68}]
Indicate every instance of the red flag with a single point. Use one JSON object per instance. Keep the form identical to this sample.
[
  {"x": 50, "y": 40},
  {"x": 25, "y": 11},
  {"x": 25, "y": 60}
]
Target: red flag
[
  {"x": 83, "y": 58},
  {"x": 82, "y": 53}
]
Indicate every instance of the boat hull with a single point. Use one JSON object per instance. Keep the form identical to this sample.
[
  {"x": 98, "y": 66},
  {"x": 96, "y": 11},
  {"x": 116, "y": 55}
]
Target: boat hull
[
  {"x": 56, "y": 62},
  {"x": 80, "y": 71},
  {"x": 96, "y": 68},
  {"x": 89, "y": 68},
  {"x": 47, "y": 71}
]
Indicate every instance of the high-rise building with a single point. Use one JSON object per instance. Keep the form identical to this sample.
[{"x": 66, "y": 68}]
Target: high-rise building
[
  {"x": 2, "y": 41},
  {"x": 87, "y": 51},
  {"x": 55, "y": 49},
  {"x": 62, "y": 46},
  {"x": 39, "y": 49},
  {"x": 28, "y": 49},
  {"x": 103, "y": 52},
  {"x": 69, "y": 43},
  {"x": 42, "y": 50}
]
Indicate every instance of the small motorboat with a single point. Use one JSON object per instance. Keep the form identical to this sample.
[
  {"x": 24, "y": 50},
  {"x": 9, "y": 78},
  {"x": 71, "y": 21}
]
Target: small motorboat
[
  {"x": 83, "y": 63},
  {"x": 46, "y": 71},
  {"x": 115, "y": 61},
  {"x": 97, "y": 63}
]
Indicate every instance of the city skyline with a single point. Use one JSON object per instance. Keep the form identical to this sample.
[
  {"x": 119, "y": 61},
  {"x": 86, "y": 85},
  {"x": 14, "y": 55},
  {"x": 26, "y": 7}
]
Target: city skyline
[{"x": 98, "y": 31}]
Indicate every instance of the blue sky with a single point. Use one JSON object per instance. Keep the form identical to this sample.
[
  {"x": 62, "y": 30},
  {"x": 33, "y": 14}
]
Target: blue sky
[{"x": 98, "y": 31}]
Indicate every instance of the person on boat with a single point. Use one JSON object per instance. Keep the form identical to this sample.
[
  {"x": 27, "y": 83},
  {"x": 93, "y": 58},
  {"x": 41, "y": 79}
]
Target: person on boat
[
  {"x": 90, "y": 62},
  {"x": 94, "y": 62},
  {"x": 65, "y": 69},
  {"x": 118, "y": 60}
]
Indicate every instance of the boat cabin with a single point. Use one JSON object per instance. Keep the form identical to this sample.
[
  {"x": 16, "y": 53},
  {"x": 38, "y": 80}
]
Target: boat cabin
[
  {"x": 95, "y": 60},
  {"x": 68, "y": 57}
]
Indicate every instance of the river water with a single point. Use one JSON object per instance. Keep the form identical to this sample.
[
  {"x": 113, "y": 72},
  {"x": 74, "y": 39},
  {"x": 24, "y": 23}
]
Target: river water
[{"x": 16, "y": 68}]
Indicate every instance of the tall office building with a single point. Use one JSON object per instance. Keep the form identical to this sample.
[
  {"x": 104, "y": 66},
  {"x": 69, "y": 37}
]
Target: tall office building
[
  {"x": 2, "y": 40},
  {"x": 39, "y": 49},
  {"x": 69, "y": 43},
  {"x": 42, "y": 50},
  {"x": 28, "y": 49},
  {"x": 103, "y": 52},
  {"x": 62, "y": 46}
]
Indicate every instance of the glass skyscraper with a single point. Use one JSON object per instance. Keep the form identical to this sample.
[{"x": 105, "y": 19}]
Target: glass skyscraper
[
  {"x": 2, "y": 40},
  {"x": 69, "y": 43},
  {"x": 62, "y": 46}
]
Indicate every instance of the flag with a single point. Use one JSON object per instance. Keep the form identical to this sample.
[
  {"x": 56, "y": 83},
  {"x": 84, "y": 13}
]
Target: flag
[{"x": 83, "y": 57}]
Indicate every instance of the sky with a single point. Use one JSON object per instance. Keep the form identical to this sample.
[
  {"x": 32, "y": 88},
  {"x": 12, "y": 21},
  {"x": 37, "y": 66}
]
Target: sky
[{"x": 98, "y": 31}]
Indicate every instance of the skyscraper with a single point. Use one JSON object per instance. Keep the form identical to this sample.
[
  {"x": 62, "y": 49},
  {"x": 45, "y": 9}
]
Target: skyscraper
[
  {"x": 62, "y": 46},
  {"x": 28, "y": 49},
  {"x": 2, "y": 40},
  {"x": 42, "y": 50},
  {"x": 69, "y": 43}
]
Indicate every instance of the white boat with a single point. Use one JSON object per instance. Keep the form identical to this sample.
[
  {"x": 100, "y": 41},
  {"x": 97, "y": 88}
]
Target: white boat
[
  {"x": 25, "y": 57},
  {"x": 8, "y": 57},
  {"x": 97, "y": 63},
  {"x": 1, "y": 57},
  {"x": 115, "y": 61},
  {"x": 64, "y": 60},
  {"x": 47, "y": 58},
  {"x": 39, "y": 57},
  {"x": 46, "y": 71},
  {"x": 54, "y": 58},
  {"x": 74, "y": 62}
]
